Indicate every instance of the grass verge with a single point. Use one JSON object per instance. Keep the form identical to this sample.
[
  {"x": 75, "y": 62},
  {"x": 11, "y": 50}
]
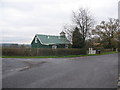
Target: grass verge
[{"x": 105, "y": 53}]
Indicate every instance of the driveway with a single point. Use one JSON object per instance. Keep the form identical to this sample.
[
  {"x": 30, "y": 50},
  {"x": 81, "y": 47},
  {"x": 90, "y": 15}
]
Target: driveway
[{"x": 80, "y": 72}]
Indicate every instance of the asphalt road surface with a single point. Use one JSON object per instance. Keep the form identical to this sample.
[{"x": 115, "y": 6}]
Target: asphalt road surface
[{"x": 80, "y": 72}]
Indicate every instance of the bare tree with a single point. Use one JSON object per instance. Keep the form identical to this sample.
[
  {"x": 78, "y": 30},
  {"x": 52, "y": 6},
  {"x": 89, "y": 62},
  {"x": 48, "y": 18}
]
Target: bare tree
[
  {"x": 107, "y": 31},
  {"x": 83, "y": 20},
  {"x": 68, "y": 29}
]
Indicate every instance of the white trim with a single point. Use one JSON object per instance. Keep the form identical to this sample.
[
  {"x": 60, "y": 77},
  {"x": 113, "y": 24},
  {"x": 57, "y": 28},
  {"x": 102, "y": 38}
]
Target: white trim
[
  {"x": 39, "y": 39},
  {"x": 51, "y": 43}
]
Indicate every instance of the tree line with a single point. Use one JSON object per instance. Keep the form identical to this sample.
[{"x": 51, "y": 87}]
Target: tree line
[{"x": 84, "y": 33}]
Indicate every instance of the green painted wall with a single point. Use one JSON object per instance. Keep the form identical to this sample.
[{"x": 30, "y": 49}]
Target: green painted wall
[{"x": 61, "y": 46}]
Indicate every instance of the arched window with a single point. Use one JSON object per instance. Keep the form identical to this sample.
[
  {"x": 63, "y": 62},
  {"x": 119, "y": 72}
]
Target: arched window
[{"x": 35, "y": 39}]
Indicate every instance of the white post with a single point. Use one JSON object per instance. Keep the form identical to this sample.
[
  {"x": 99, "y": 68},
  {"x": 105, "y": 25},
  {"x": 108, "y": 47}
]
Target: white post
[
  {"x": 116, "y": 49},
  {"x": 89, "y": 51}
]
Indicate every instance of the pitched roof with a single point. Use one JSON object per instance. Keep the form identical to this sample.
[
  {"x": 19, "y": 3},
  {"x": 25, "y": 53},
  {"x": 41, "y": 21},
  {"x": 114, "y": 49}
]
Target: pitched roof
[{"x": 50, "y": 39}]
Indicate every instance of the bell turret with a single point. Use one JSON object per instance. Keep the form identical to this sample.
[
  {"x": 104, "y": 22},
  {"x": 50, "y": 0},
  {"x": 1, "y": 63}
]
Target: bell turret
[{"x": 62, "y": 34}]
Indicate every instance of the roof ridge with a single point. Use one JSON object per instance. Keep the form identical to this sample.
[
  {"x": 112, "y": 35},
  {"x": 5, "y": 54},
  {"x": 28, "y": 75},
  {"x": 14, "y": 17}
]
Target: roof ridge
[{"x": 46, "y": 35}]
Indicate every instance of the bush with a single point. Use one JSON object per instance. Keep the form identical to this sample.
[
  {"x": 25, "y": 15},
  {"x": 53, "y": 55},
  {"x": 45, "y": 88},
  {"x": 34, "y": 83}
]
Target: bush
[
  {"x": 41, "y": 52},
  {"x": 103, "y": 50}
]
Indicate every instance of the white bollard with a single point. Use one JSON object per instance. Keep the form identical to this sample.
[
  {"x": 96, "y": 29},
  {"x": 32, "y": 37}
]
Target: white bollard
[
  {"x": 116, "y": 49},
  {"x": 91, "y": 51}
]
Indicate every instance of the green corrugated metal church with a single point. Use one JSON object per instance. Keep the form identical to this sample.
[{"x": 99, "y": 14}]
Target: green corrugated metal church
[{"x": 50, "y": 41}]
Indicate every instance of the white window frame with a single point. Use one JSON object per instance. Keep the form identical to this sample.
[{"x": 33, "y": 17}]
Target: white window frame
[
  {"x": 66, "y": 46},
  {"x": 35, "y": 39},
  {"x": 54, "y": 46}
]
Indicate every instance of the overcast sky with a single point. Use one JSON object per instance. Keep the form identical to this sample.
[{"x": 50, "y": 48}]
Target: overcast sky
[{"x": 20, "y": 20}]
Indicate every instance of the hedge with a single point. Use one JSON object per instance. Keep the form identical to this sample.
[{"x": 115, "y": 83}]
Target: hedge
[{"x": 41, "y": 52}]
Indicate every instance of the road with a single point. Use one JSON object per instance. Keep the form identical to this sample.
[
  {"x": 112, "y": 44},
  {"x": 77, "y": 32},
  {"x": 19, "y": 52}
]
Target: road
[{"x": 80, "y": 72}]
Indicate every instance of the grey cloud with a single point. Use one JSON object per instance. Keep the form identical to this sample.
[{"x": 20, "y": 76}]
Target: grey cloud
[{"x": 22, "y": 18}]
